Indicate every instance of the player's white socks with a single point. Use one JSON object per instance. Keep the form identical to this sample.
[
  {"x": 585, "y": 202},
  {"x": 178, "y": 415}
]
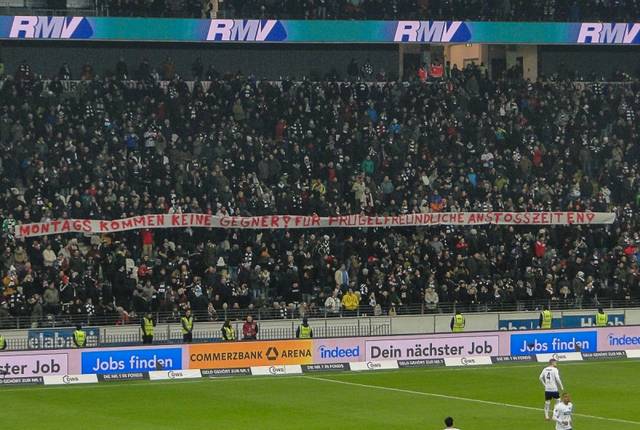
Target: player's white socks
[{"x": 547, "y": 407}]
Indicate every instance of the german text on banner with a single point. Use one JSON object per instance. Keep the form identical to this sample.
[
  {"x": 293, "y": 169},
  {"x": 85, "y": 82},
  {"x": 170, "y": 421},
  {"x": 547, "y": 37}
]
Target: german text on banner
[{"x": 192, "y": 220}]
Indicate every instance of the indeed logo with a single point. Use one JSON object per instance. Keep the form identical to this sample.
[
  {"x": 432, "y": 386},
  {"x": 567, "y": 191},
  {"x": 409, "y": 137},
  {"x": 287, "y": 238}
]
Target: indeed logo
[
  {"x": 432, "y": 31},
  {"x": 596, "y": 32},
  {"x": 254, "y": 30},
  {"x": 623, "y": 340},
  {"x": 338, "y": 352},
  {"x": 55, "y": 27}
]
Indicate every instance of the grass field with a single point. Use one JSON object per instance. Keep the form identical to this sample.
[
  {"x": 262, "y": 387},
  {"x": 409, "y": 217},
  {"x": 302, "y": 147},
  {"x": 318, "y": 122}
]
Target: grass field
[{"x": 506, "y": 397}]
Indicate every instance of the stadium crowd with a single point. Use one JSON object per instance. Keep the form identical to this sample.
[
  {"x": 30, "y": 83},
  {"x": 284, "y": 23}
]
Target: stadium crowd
[
  {"x": 481, "y": 10},
  {"x": 240, "y": 146}
]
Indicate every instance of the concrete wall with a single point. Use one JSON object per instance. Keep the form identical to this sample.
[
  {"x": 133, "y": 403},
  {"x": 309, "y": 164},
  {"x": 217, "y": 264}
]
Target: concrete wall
[
  {"x": 529, "y": 54},
  {"x": 460, "y": 54}
]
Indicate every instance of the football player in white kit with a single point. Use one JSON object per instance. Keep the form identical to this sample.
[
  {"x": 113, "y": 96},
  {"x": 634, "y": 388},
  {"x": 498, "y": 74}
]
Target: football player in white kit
[
  {"x": 562, "y": 413},
  {"x": 449, "y": 423},
  {"x": 550, "y": 378}
]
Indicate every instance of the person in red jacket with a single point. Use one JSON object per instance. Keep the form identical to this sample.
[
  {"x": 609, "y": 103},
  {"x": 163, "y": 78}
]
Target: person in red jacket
[
  {"x": 250, "y": 329},
  {"x": 147, "y": 242}
]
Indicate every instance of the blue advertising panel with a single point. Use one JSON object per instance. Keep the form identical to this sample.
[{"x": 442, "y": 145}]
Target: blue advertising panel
[
  {"x": 59, "y": 338},
  {"x": 131, "y": 360},
  {"x": 550, "y": 342},
  {"x": 526, "y": 324},
  {"x": 566, "y": 321},
  {"x": 575, "y": 321},
  {"x": 314, "y": 31}
]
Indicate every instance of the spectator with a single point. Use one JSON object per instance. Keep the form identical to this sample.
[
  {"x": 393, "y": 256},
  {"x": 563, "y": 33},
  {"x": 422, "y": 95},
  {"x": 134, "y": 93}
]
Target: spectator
[
  {"x": 148, "y": 157},
  {"x": 342, "y": 277},
  {"x": 51, "y": 299},
  {"x": 431, "y": 299},
  {"x": 249, "y": 329},
  {"x": 502, "y": 10},
  {"x": 350, "y": 302},
  {"x": 332, "y": 304}
]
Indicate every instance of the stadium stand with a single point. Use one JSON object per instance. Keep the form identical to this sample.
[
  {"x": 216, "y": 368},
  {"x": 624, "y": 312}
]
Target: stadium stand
[
  {"x": 481, "y": 10},
  {"x": 107, "y": 148}
]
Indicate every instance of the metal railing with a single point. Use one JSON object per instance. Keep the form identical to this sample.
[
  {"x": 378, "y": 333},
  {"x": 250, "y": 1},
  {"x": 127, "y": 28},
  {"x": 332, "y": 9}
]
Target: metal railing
[
  {"x": 8, "y": 321},
  {"x": 8, "y": 10},
  {"x": 171, "y": 334}
]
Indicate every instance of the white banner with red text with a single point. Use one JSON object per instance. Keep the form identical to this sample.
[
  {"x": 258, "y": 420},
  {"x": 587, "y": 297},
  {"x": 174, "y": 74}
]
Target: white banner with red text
[{"x": 185, "y": 220}]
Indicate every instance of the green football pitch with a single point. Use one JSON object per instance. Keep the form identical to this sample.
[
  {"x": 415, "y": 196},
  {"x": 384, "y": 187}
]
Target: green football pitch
[{"x": 606, "y": 395}]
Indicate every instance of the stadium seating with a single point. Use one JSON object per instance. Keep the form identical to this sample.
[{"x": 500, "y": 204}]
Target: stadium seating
[
  {"x": 106, "y": 148},
  {"x": 482, "y": 10}
]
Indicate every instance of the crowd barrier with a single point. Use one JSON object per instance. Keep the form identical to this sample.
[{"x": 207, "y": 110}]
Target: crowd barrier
[{"x": 308, "y": 355}]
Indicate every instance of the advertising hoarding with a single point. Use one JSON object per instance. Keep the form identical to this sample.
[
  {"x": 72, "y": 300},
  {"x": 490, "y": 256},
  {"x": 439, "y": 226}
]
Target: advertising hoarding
[
  {"x": 409, "y": 350},
  {"x": 619, "y": 338},
  {"x": 70, "y": 379},
  {"x": 432, "y": 347},
  {"x": 314, "y": 31},
  {"x": 59, "y": 338},
  {"x": 549, "y": 342},
  {"x": 566, "y": 321},
  {"x": 131, "y": 360},
  {"x": 338, "y": 350},
  {"x": 29, "y": 365},
  {"x": 277, "y": 370},
  {"x": 250, "y": 354}
]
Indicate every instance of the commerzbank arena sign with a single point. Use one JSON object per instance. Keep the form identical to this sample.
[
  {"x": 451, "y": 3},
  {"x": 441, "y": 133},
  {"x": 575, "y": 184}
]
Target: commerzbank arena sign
[
  {"x": 192, "y": 220},
  {"x": 314, "y": 31}
]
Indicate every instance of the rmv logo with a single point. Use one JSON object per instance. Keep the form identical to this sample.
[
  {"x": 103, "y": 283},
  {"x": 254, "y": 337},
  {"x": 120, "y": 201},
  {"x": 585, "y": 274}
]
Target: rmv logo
[
  {"x": 432, "y": 31},
  {"x": 596, "y": 32},
  {"x": 56, "y": 27},
  {"x": 254, "y": 30}
]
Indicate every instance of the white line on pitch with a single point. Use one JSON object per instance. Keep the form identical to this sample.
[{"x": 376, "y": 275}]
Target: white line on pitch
[{"x": 464, "y": 399}]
